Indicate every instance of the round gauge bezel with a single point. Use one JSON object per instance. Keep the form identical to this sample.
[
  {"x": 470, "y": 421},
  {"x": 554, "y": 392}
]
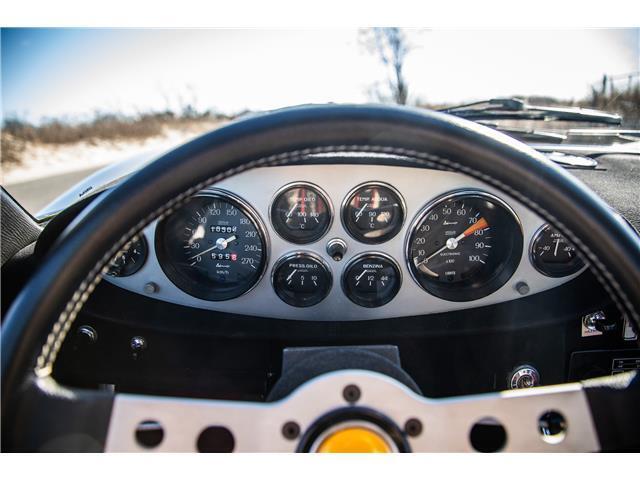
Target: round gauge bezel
[
  {"x": 347, "y": 200},
  {"x": 459, "y": 293},
  {"x": 145, "y": 245},
  {"x": 197, "y": 290},
  {"x": 319, "y": 191},
  {"x": 359, "y": 258},
  {"x": 540, "y": 269},
  {"x": 301, "y": 254}
]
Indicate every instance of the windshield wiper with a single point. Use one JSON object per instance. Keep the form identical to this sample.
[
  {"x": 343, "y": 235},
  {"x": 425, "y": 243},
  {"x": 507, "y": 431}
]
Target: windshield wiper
[{"x": 517, "y": 109}]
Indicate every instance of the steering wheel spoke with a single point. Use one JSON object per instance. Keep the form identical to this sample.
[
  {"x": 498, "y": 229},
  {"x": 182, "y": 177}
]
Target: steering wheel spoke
[{"x": 446, "y": 423}]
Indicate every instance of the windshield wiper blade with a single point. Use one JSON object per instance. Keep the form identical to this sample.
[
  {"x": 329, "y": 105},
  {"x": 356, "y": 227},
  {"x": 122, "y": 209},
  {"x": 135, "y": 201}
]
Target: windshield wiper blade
[{"x": 517, "y": 109}]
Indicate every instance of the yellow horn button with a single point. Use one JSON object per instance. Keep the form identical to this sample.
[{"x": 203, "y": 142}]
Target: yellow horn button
[{"x": 354, "y": 440}]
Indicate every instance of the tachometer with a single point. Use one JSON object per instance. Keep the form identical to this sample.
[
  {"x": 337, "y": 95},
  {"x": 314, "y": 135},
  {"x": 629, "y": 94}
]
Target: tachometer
[
  {"x": 464, "y": 246},
  {"x": 213, "y": 247}
]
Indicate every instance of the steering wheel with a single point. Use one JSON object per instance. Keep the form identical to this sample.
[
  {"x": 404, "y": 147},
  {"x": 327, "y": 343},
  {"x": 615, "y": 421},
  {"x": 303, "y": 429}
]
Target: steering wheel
[{"x": 40, "y": 415}]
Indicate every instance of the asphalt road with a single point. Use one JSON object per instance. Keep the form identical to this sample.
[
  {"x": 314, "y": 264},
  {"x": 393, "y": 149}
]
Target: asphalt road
[{"x": 35, "y": 194}]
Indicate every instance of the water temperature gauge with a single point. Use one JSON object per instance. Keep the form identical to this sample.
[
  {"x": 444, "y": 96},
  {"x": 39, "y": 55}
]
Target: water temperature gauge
[
  {"x": 371, "y": 280},
  {"x": 301, "y": 279},
  {"x": 373, "y": 213}
]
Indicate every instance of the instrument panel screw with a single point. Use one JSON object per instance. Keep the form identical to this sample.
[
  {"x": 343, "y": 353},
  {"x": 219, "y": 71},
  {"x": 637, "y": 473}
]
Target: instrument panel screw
[
  {"x": 138, "y": 343},
  {"x": 523, "y": 288},
  {"x": 151, "y": 287},
  {"x": 413, "y": 427},
  {"x": 87, "y": 335},
  {"x": 351, "y": 393},
  {"x": 291, "y": 430}
]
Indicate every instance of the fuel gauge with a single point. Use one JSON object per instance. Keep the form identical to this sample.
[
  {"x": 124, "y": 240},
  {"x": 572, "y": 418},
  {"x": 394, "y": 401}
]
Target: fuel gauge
[
  {"x": 371, "y": 280},
  {"x": 301, "y": 279},
  {"x": 553, "y": 255}
]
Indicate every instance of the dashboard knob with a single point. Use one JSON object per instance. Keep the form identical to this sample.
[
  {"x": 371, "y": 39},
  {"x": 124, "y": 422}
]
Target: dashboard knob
[{"x": 524, "y": 376}]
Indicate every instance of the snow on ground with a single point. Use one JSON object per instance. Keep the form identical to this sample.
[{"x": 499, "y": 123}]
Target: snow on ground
[{"x": 48, "y": 160}]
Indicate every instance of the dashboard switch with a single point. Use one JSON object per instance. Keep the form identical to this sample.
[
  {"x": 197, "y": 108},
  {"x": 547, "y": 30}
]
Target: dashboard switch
[
  {"x": 524, "y": 376},
  {"x": 598, "y": 322}
]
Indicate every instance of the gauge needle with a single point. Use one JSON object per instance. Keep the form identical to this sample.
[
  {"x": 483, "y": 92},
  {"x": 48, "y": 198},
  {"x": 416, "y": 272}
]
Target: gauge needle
[
  {"x": 359, "y": 212},
  {"x": 291, "y": 274},
  {"x": 555, "y": 252},
  {"x": 291, "y": 211},
  {"x": 452, "y": 243},
  {"x": 221, "y": 243},
  {"x": 360, "y": 276}
]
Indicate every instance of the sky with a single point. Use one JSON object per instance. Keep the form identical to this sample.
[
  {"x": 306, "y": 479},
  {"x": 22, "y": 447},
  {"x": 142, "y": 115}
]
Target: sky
[{"x": 72, "y": 73}]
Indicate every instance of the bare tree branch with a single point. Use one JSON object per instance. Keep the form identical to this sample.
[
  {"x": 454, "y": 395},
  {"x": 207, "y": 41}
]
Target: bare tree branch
[{"x": 391, "y": 46}]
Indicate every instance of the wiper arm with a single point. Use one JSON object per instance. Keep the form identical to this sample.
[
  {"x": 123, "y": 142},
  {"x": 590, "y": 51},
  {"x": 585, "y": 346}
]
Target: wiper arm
[
  {"x": 517, "y": 109},
  {"x": 528, "y": 134}
]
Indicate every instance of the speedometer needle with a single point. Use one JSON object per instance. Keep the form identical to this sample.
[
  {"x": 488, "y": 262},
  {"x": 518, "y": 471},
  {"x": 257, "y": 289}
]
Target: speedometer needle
[
  {"x": 221, "y": 243},
  {"x": 452, "y": 242}
]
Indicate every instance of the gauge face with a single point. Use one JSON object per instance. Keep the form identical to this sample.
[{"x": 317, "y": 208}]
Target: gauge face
[
  {"x": 553, "y": 255},
  {"x": 373, "y": 213},
  {"x": 129, "y": 261},
  {"x": 464, "y": 246},
  {"x": 213, "y": 247},
  {"x": 371, "y": 280},
  {"x": 301, "y": 279},
  {"x": 300, "y": 213}
]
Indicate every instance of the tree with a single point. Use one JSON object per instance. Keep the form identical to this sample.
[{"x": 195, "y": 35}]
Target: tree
[{"x": 391, "y": 46}]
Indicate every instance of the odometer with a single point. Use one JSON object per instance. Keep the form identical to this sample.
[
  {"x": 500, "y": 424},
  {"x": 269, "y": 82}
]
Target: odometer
[
  {"x": 464, "y": 246},
  {"x": 213, "y": 247}
]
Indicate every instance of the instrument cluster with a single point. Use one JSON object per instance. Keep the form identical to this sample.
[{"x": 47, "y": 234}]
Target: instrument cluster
[{"x": 314, "y": 243}]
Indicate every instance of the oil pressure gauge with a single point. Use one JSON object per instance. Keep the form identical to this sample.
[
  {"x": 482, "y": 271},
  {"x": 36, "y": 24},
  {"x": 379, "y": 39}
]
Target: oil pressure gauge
[
  {"x": 301, "y": 279},
  {"x": 553, "y": 255},
  {"x": 371, "y": 280}
]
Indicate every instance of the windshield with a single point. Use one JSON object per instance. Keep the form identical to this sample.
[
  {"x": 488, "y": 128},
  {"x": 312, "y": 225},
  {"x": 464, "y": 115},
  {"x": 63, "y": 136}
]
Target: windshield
[{"x": 77, "y": 100}]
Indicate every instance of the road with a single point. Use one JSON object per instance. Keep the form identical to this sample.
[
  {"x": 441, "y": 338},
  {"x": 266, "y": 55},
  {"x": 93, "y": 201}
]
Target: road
[{"x": 35, "y": 194}]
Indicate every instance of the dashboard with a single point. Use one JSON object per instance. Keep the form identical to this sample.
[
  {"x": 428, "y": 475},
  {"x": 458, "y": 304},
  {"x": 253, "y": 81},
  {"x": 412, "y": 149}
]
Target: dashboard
[{"x": 349, "y": 242}]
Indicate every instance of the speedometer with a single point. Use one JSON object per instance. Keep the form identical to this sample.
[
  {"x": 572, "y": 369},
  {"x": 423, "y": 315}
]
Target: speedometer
[
  {"x": 464, "y": 246},
  {"x": 213, "y": 247}
]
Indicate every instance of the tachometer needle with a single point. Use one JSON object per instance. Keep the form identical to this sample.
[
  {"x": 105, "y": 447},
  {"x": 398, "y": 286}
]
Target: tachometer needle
[
  {"x": 452, "y": 242},
  {"x": 221, "y": 244}
]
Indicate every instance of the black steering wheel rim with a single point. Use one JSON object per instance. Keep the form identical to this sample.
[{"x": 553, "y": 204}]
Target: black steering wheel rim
[{"x": 35, "y": 325}]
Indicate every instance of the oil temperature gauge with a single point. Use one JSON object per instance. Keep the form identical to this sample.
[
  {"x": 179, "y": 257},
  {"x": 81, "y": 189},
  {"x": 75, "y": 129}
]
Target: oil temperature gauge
[
  {"x": 301, "y": 279},
  {"x": 371, "y": 280},
  {"x": 553, "y": 255}
]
